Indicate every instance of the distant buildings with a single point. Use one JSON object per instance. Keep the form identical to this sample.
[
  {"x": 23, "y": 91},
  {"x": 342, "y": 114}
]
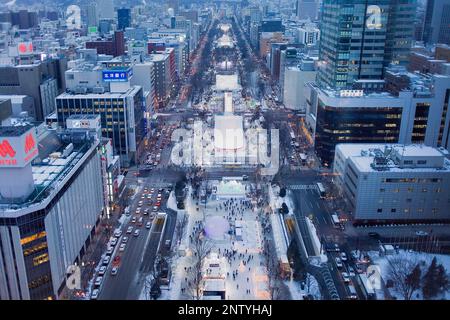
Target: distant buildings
[
  {"x": 394, "y": 183},
  {"x": 437, "y": 22},
  {"x": 114, "y": 46},
  {"x": 307, "y": 9},
  {"x": 123, "y": 18}
]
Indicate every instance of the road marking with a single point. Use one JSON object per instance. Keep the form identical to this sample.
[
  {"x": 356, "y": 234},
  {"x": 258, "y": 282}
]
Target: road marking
[{"x": 303, "y": 187}]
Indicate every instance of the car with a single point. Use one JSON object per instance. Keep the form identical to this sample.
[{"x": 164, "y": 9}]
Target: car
[
  {"x": 116, "y": 261},
  {"x": 98, "y": 281},
  {"x": 114, "y": 271},
  {"x": 140, "y": 221},
  {"x": 244, "y": 177},
  {"x": 94, "y": 294},
  {"x": 124, "y": 239},
  {"x": 102, "y": 270},
  {"x": 140, "y": 203},
  {"x": 158, "y": 203},
  {"x": 421, "y": 233},
  {"x": 136, "y": 232},
  {"x": 351, "y": 271},
  {"x": 133, "y": 220},
  {"x": 106, "y": 259},
  {"x": 346, "y": 277},
  {"x": 374, "y": 235},
  {"x": 148, "y": 225},
  {"x": 155, "y": 208},
  {"x": 122, "y": 247},
  {"x": 109, "y": 250},
  {"x": 343, "y": 256},
  {"x": 113, "y": 241},
  {"x": 167, "y": 243},
  {"x": 338, "y": 262},
  {"x": 117, "y": 233},
  {"x": 138, "y": 210},
  {"x": 129, "y": 230}
]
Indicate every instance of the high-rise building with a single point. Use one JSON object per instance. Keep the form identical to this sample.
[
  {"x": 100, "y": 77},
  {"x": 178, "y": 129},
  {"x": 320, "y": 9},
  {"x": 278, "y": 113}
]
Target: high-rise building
[
  {"x": 44, "y": 226},
  {"x": 121, "y": 112},
  {"x": 105, "y": 9},
  {"x": 92, "y": 14},
  {"x": 114, "y": 46},
  {"x": 123, "y": 18},
  {"x": 437, "y": 22},
  {"x": 307, "y": 9},
  {"x": 359, "y": 38}
]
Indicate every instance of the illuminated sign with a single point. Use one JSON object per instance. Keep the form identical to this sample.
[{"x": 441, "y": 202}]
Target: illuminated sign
[
  {"x": 373, "y": 20},
  {"x": 25, "y": 48},
  {"x": 117, "y": 75},
  {"x": 18, "y": 151},
  {"x": 351, "y": 93}
]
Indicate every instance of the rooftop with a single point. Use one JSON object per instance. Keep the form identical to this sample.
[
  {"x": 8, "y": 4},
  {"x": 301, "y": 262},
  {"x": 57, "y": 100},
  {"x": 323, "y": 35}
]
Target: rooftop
[{"x": 15, "y": 131}]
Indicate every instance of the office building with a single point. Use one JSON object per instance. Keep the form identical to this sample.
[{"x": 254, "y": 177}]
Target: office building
[
  {"x": 123, "y": 18},
  {"x": 414, "y": 110},
  {"x": 121, "y": 111},
  {"x": 387, "y": 184},
  {"x": 359, "y": 39},
  {"x": 92, "y": 14},
  {"x": 44, "y": 227},
  {"x": 41, "y": 80},
  {"x": 114, "y": 45},
  {"x": 106, "y": 9},
  {"x": 437, "y": 22}
]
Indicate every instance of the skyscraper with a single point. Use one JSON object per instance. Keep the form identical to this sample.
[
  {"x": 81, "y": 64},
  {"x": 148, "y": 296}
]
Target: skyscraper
[
  {"x": 307, "y": 9},
  {"x": 105, "y": 9},
  {"x": 123, "y": 18},
  {"x": 359, "y": 38},
  {"x": 92, "y": 14},
  {"x": 437, "y": 22}
]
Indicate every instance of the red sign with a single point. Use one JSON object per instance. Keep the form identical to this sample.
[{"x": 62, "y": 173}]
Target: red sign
[
  {"x": 6, "y": 149},
  {"x": 29, "y": 143},
  {"x": 25, "y": 47}
]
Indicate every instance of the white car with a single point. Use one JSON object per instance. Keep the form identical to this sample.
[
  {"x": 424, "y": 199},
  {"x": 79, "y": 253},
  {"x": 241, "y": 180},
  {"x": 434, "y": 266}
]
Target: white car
[
  {"x": 122, "y": 247},
  {"x": 130, "y": 229},
  {"x": 113, "y": 242},
  {"x": 106, "y": 259},
  {"x": 114, "y": 271},
  {"x": 148, "y": 225},
  {"x": 98, "y": 281},
  {"x": 338, "y": 262},
  {"x": 343, "y": 256},
  {"x": 102, "y": 270},
  {"x": 109, "y": 250},
  {"x": 346, "y": 277},
  {"x": 136, "y": 232},
  {"x": 94, "y": 294},
  {"x": 124, "y": 239},
  {"x": 133, "y": 220},
  {"x": 117, "y": 233}
]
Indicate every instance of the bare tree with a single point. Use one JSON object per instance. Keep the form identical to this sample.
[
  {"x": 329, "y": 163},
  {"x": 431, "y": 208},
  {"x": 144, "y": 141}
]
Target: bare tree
[
  {"x": 201, "y": 247},
  {"x": 181, "y": 226},
  {"x": 312, "y": 286},
  {"x": 399, "y": 271}
]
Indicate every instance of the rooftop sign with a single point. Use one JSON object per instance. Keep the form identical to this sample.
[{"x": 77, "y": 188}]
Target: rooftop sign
[{"x": 18, "y": 151}]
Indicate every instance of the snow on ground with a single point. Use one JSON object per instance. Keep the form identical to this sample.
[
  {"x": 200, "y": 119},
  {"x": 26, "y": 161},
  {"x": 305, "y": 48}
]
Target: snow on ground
[
  {"x": 383, "y": 263},
  {"x": 296, "y": 290}
]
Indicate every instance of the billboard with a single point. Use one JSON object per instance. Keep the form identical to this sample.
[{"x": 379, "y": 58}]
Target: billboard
[
  {"x": 18, "y": 151},
  {"x": 122, "y": 75},
  {"x": 25, "y": 48}
]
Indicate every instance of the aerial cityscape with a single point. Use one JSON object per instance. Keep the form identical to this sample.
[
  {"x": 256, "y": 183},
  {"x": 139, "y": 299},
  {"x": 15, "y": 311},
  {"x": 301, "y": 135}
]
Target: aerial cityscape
[{"x": 225, "y": 150}]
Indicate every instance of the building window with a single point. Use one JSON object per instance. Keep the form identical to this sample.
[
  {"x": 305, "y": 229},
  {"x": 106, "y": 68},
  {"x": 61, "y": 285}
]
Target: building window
[
  {"x": 393, "y": 210},
  {"x": 380, "y": 210}
]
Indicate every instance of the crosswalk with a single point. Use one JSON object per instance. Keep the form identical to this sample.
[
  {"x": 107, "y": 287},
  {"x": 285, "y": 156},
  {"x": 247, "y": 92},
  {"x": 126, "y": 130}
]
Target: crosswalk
[{"x": 303, "y": 187}]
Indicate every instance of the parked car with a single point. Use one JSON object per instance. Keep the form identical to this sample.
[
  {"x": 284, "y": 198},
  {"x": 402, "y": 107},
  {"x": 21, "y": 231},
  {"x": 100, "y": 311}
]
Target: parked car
[
  {"x": 122, "y": 247},
  {"x": 106, "y": 259},
  {"x": 102, "y": 270},
  {"x": 109, "y": 250},
  {"x": 94, "y": 294},
  {"x": 98, "y": 281}
]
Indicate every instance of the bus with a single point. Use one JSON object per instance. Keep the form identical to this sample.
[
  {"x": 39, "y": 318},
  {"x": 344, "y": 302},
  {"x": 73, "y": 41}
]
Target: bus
[
  {"x": 321, "y": 190},
  {"x": 336, "y": 221}
]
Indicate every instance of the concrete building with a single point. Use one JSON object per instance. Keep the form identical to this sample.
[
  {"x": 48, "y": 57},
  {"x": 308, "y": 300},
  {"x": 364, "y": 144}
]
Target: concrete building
[
  {"x": 122, "y": 113},
  {"x": 437, "y": 22},
  {"x": 295, "y": 79},
  {"x": 307, "y": 9},
  {"x": 42, "y": 81},
  {"x": 394, "y": 183},
  {"x": 414, "y": 110},
  {"x": 44, "y": 227}
]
